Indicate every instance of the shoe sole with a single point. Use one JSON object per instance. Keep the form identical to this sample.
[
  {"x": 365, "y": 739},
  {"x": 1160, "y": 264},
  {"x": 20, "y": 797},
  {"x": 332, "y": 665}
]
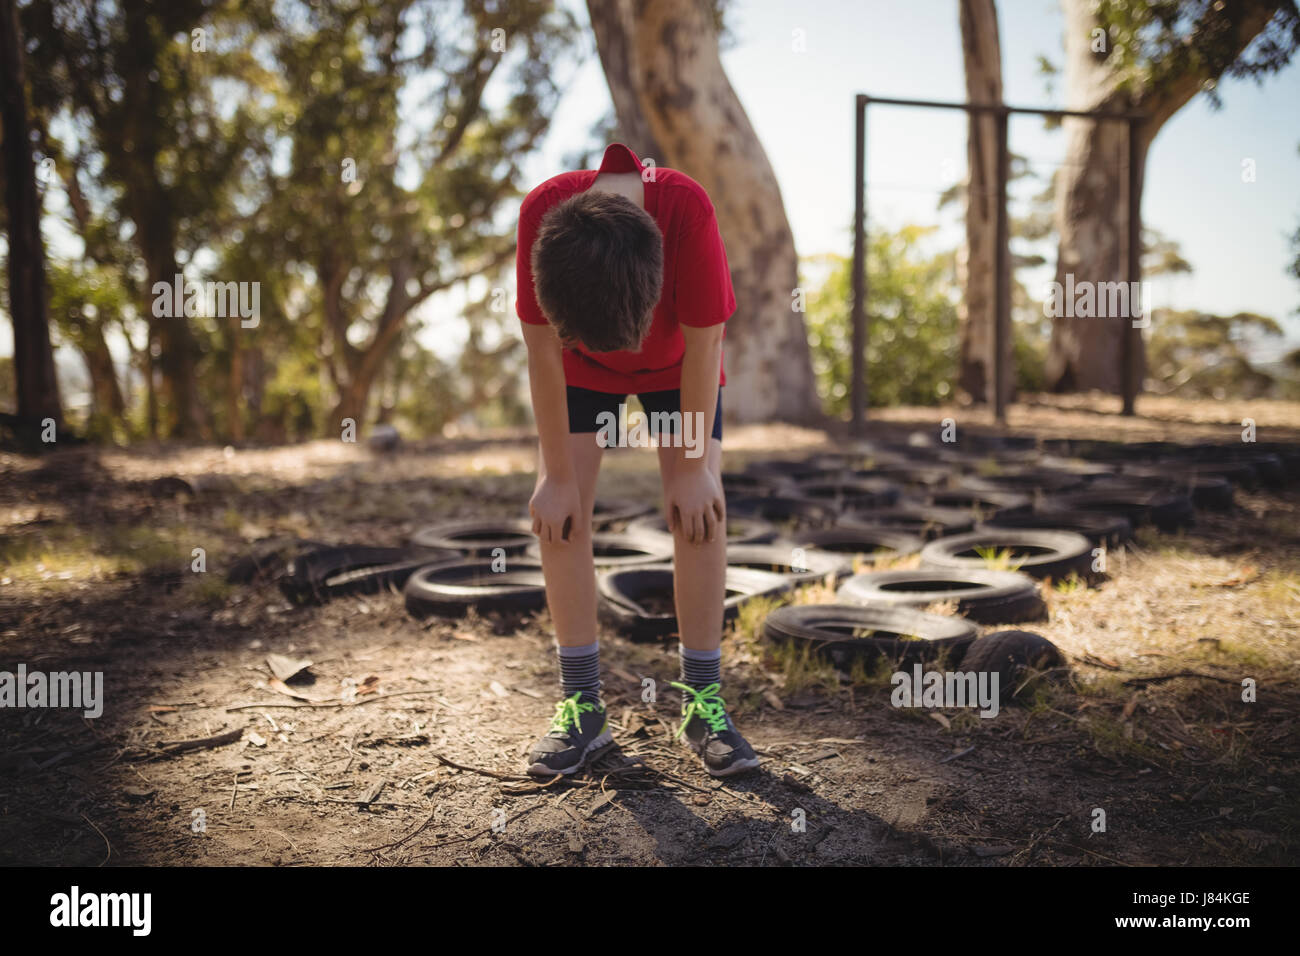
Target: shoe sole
[
  {"x": 541, "y": 770},
  {"x": 740, "y": 766}
]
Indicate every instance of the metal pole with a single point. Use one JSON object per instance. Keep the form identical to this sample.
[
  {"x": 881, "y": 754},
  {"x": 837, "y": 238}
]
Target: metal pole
[
  {"x": 1131, "y": 246},
  {"x": 858, "y": 393},
  {"x": 1002, "y": 290}
]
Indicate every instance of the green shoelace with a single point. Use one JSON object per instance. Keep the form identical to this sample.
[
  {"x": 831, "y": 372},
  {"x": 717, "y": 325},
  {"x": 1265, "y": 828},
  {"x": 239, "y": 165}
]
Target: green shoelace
[
  {"x": 704, "y": 703},
  {"x": 568, "y": 712}
]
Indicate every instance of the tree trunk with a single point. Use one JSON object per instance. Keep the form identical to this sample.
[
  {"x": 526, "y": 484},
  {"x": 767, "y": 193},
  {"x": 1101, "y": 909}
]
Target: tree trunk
[
  {"x": 1085, "y": 352},
  {"x": 37, "y": 385},
  {"x": 976, "y": 267},
  {"x": 669, "y": 89}
]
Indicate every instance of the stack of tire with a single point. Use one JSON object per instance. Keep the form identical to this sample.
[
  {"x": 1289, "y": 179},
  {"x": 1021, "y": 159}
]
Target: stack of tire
[
  {"x": 1038, "y": 509},
  {"x": 991, "y": 521}
]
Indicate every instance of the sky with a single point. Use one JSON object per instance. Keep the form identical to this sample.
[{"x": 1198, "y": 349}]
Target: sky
[{"x": 1235, "y": 234}]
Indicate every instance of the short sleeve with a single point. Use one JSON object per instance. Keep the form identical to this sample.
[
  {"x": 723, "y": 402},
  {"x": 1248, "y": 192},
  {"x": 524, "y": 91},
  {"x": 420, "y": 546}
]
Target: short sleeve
[
  {"x": 702, "y": 293},
  {"x": 530, "y": 218}
]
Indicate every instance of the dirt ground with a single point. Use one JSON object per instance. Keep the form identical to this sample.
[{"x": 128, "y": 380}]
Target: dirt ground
[{"x": 423, "y": 766}]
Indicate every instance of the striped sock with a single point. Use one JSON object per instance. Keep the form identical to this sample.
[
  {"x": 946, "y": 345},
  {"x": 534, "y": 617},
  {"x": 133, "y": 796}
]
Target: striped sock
[
  {"x": 580, "y": 670},
  {"x": 700, "y": 668}
]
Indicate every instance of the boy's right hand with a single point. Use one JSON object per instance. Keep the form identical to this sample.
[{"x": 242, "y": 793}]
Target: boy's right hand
[{"x": 556, "y": 509}]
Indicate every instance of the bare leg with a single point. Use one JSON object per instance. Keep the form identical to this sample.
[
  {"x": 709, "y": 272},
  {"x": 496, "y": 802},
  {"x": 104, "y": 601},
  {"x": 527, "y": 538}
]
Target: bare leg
[
  {"x": 568, "y": 566},
  {"x": 699, "y": 570}
]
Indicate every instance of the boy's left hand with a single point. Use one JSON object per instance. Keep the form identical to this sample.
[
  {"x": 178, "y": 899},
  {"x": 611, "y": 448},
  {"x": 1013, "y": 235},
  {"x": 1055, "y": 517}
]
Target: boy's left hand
[{"x": 696, "y": 505}]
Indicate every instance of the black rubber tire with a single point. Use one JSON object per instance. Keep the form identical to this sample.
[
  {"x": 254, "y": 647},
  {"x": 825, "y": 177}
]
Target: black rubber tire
[
  {"x": 782, "y": 509},
  {"x": 1011, "y": 655},
  {"x": 476, "y": 538},
  {"x": 451, "y": 588},
  {"x": 268, "y": 559},
  {"x": 912, "y": 475},
  {"x": 620, "y": 549},
  {"x": 1168, "y": 511},
  {"x": 1066, "y": 552},
  {"x": 1025, "y": 481},
  {"x": 779, "y": 559},
  {"x": 619, "y": 593},
  {"x": 850, "y": 494},
  {"x": 783, "y": 472},
  {"x": 381, "y": 577},
  {"x": 867, "y": 543},
  {"x": 928, "y": 521},
  {"x": 1212, "y": 492},
  {"x": 740, "y": 529},
  {"x": 305, "y": 576},
  {"x": 610, "y": 512},
  {"x": 989, "y": 597},
  {"x": 737, "y": 484},
  {"x": 984, "y": 504},
  {"x": 830, "y": 629},
  {"x": 1098, "y": 527}
]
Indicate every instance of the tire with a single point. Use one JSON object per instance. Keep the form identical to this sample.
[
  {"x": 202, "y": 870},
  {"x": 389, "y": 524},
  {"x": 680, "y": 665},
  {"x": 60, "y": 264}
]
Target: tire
[
  {"x": 989, "y": 597},
  {"x": 784, "y": 472},
  {"x": 624, "y": 597},
  {"x": 785, "y": 509},
  {"x": 620, "y": 549},
  {"x": 609, "y": 512},
  {"x": 381, "y": 577},
  {"x": 985, "y": 504},
  {"x": 897, "y": 632},
  {"x": 813, "y": 565},
  {"x": 927, "y": 521},
  {"x": 866, "y": 543},
  {"x": 1026, "y": 481},
  {"x": 476, "y": 538},
  {"x": 850, "y": 494},
  {"x": 1012, "y": 655},
  {"x": 737, "y": 484},
  {"x": 740, "y": 530},
  {"x": 268, "y": 559},
  {"x": 1096, "y": 526},
  {"x": 451, "y": 588},
  {"x": 1168, "y": 511},
  {"x": 306, "y": 576},
  {"x": 916, "y": 476},
  {"x": 1060, "y": 552},
  {"x": 1212, "y": 492}
]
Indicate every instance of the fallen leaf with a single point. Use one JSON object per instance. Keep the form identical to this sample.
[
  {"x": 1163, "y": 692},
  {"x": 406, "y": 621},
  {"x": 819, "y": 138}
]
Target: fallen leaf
[
  {"x": 256, "y": 739},
  {"x": 770, "y": 696},
  {"x": 161, "y": 709},
  {"x": 498, "y": 689},
  {"x": 463, "y": 636},
  {"x": 281, "y": 687},
  {"x": 286, "y": 668},
  {"x": 947, "y": 724}
]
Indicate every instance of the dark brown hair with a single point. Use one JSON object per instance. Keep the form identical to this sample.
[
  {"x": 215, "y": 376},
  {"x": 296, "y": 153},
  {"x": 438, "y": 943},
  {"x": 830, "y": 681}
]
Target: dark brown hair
[{"x": 598, "y": 267}]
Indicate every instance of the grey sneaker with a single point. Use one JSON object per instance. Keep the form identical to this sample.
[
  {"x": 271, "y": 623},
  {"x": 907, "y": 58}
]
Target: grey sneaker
[
  {"x": 578, "y": 729},
  {"x": 711, "y": 734}
]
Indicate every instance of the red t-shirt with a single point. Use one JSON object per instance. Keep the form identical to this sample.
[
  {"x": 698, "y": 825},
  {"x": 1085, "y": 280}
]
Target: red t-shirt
[{"x": 697, "y": 281}]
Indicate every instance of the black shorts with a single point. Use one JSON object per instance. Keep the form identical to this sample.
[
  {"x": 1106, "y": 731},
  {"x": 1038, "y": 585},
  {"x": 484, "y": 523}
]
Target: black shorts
[{"x": 586, "y": 405}]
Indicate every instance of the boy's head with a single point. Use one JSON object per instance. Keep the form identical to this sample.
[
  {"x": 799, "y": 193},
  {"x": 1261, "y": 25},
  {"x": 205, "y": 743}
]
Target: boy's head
[{"x": 598, "y": 266}]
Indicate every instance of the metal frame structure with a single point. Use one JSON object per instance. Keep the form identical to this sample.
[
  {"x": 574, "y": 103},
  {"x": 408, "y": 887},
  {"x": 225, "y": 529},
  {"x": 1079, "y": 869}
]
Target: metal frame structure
[{"x": 1130, "y": 246}]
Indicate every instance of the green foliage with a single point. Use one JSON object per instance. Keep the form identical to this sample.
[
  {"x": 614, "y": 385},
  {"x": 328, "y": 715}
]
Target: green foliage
[
  {"x": 911, "y": 327},
  {"x": 1197, "y": 355},
  {"x": 1154, "y": 44}
]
